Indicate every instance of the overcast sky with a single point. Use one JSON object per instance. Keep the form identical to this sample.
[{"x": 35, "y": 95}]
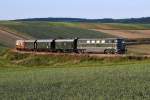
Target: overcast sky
[{"x": 15, "y": 9}]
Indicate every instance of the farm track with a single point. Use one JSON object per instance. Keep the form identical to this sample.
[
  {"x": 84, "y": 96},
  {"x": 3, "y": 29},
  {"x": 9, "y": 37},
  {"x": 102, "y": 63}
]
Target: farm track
[{"x": 9, "y": 38}]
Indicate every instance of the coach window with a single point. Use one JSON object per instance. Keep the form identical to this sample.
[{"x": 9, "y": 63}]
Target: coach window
[
  {"x": 98, "y": 42},
  {"x": 93, "y": 41},
  {"x": 103, "y": 41},
  {"x": 88, "y": 42}
]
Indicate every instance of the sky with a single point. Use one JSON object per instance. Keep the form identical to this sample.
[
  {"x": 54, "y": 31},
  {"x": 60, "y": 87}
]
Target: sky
[{"x": 92, "y": 9}]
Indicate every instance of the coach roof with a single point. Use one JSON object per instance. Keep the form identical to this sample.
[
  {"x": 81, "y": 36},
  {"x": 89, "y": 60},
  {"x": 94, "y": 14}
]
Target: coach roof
[
  {"x": 64, "y": 40},
  {"x": 50, "y": 40}
]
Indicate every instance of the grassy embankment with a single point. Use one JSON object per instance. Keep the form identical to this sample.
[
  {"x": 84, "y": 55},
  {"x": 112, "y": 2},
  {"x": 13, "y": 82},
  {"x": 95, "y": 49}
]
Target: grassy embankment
[{"x": 67, "y": 77}]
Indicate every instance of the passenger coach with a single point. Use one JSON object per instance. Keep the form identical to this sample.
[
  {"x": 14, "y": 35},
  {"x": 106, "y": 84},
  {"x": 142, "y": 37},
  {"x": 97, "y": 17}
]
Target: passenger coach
[{"x": 106, "y": 46}]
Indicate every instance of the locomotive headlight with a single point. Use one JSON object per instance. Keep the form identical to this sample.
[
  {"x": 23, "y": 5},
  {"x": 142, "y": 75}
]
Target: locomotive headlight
[{"x": 17, "y": 43}]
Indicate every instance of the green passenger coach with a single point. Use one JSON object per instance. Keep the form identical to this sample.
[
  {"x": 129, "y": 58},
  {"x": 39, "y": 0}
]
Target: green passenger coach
[{"x": 107, "y": 45}]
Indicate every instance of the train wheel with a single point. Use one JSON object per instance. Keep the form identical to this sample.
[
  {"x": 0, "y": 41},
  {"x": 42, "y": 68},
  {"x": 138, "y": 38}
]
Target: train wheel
[
  {"x": 112, "y": 51},
  {"x": 107, "y": 51}
]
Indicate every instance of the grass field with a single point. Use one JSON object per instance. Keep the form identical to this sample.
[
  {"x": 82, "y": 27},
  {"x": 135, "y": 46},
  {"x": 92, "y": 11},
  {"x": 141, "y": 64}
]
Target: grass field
[
  {"x": 51, "y": 77},
  {"x": 116, "y": 82}
]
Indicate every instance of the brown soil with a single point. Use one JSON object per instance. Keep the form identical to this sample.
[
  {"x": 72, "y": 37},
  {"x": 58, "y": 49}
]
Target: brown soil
[
  {"x": 143, "y": 49},
  {"x": 130, "y": 34}
]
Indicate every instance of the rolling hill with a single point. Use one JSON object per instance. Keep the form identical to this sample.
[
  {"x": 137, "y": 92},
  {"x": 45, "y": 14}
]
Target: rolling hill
[
  {"x": 44, "y": 30},
  {"x": 10, "y": 31}
]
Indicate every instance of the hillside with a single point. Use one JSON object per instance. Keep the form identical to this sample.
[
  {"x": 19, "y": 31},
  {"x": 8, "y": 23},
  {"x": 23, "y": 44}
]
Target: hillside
[
  {"x": 43, "y": 30},
  {"x": 10, "y": 31},
  {"x": 105, "y": 20}
]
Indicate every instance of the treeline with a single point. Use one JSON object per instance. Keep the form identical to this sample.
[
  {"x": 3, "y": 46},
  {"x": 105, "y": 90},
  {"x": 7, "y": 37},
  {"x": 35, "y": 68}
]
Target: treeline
[{"x": 105, "y": 20}]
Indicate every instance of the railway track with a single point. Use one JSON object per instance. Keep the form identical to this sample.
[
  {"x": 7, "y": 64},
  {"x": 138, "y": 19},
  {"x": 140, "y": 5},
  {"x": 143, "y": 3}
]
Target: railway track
[{"x": 82, "y": 55}]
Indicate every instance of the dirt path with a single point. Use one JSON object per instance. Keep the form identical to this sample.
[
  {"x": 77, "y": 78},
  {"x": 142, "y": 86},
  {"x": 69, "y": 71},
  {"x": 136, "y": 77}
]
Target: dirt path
[
  {"x": 130, "y": 34},
  {"x": 9, "y": 38}
]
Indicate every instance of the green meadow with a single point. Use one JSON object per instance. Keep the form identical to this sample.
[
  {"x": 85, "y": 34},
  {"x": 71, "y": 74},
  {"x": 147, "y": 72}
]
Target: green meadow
[{"x": 69, "y": 77}]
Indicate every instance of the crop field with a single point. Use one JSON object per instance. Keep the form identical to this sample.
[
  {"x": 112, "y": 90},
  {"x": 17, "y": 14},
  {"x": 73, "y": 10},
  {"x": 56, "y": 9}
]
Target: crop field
[
  {"x": 91, "y": 83},
  {"x": 29, "y": 76},
  {"x": 10, "y": 31},
  {"x": 129, "y": 34},
  {"x": 114, "y": 26},
  {"x": 143, "y": 49},
  {"x": 13, "y": 30},
  {"x": 50, "y": 30}
]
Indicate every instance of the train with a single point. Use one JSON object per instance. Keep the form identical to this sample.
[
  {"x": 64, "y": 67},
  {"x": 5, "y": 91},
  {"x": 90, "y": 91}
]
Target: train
[{"x": 77, "y": 45}]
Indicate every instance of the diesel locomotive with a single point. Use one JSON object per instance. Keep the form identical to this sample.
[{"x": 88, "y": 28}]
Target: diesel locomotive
[{"x": 104, "y": 45}]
